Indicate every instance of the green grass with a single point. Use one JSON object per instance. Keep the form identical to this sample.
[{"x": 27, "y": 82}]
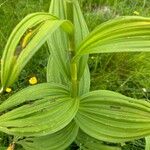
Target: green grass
[{"x": 123, "y": 72}]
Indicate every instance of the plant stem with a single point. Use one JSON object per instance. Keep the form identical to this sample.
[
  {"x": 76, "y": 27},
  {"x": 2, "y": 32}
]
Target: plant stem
[
  {"x": 73, "y": 70},
  {"x": 74, "y": 90},
  {"x": 73, "y": 65}
]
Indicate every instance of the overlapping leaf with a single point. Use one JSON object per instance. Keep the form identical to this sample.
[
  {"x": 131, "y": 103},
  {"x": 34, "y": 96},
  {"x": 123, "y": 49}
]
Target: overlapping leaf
[
  {"x": 59, "y": 48},
  {"x": 112, "y": 117},
  {"x": 53, "y": 72},
  {"x": 32, "y": 93},
  {"x": 56, "y": 141},
  {"x": 80, "y": 32},
  {"x": 123, "y": 34},
  {"x": 86, "y": 142},
  {"x": 84, "y": 84},
  {"x": 14, "y": 58},
  {"x": 147, "y": 147},
  {"x": 41, "y": 109}
]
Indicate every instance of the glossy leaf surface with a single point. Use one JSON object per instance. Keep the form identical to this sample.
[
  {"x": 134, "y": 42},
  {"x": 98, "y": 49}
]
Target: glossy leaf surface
[
  {"x": 123, "y": 34},
  {"x": 56, "y": 141},
  {"x": 86, "y": 142},
  {"x": 112, "y": 117},
  {"x": 147, "y": 146},
  {"x": 41, "y": 109}
]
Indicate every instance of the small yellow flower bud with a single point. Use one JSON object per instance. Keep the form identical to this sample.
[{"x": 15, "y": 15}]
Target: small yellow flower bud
[
  {"x": 8, "y": 90},
  {"x": 136, "y": 13},
  {"x": 33, "y": 80}
]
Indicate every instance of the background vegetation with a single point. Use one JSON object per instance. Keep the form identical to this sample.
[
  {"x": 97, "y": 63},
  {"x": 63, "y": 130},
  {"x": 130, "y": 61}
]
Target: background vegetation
[{"x": 123, "y": 72}]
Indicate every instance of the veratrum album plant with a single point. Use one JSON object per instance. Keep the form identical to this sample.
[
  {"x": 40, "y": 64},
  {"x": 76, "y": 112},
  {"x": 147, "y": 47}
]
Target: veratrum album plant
[{"x": 50, "y": 116}]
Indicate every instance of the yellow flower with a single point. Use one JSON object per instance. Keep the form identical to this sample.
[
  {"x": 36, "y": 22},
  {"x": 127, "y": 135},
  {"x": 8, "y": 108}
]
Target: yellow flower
[
  {"x": 8, "y": 90},
  {"x": 136, "y": 13},
  {"x": 33, "y": 80},
  {"x": 11, "y": 146}
]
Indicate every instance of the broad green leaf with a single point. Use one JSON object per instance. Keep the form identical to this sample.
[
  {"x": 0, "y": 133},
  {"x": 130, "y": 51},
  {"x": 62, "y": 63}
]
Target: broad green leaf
[
  {"x": 57, "y": 8},
  {"x": 86, "y": 142},
  {"x": 147, "y": 147},
  {"x": 112, "y": 117},
  {"x": 56, "y": 141},
  {"x": 59, "y": 46},
  {"x": 14, "y": 39},
  {"x": 123, "y": 34},
  {"x": 32, "y": 93},
  {"x": 53, "y": 73},
  {"x": 17, "y": 53},
  {"x": 80, "y": 26},
  {"x": 41, "y": 110},
  {"x": 84, "y": 84}
]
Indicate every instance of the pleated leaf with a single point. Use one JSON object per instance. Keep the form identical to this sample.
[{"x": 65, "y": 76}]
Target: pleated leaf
[
  {"x": 54, "y": 75},
  {"x": 23, "y": 43},
  {"x": 32, "y": 93},
  {"x": 112, "y": 117},
  {"x": 84, "y": 84},
  {"x": 81, "y": 29},
  {"x": 56, "y": 141},
  {"x": 86, "y": 142},
  {"x": 53, "y": 72},
  {"x": 59, "y": 47},
  {"x": 123, "y": 34},
  {"x": 41, "y": 109},
  {"x": 147, "y": 147}
]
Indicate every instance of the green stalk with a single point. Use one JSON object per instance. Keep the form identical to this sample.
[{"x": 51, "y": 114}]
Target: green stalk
[
  {"x": 74, "y": 89},
  {"x": 73, "y": 70},
  {"x": 73, "y": 65}
]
